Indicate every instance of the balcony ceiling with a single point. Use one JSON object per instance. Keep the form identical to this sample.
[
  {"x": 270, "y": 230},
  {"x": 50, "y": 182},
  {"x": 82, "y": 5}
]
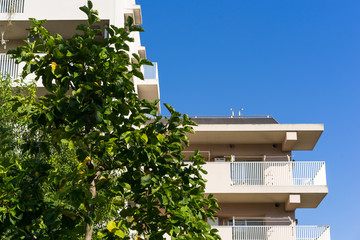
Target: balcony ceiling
[
  {"x": 307, "y": 134},
  {"x": 311, "y": 196}
]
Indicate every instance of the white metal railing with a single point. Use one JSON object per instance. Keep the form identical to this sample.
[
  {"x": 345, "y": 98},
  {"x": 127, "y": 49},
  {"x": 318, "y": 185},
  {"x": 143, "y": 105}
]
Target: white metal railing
[
  {"x": 281, "y": 233},
  {"x": 12, "y": 6},
  {"x": 8, "y": 66},
  {"x": 278, "y": 173}
]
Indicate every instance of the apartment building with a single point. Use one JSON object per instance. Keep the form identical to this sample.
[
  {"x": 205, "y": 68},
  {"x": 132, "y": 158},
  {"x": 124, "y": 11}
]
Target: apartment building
[
  {"x": 249, "y": 158},
  {"x": 255, "y": 179},
  {"x": 63, "y": 17}
]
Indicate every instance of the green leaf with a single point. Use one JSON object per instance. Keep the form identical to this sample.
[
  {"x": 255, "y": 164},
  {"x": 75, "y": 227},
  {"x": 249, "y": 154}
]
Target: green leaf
[
  {"x": 103, "y": 54},
  {"x": 98, "y": 116},
  {"x": 58, "y": 54},
  {"x": 136, "y": 28},
  {"x": 129, "y": 21},
  {"x": 119, "y": 233},
  {"x": 108, "y": 111},
  {"x": 13, "y": 221},
  {"x": 160, "y": 137},
  {"x": 169, "y": 108},
  {"x": 50, "y": 116},
  {"x": 68, "y": 128},
  {"x": 71, "y": 145},
  {"x": 85, "y": 9},
  {"x": 146, "y": 180},
  {"x": 90, "y": 4},
  {"x": 154, "y": 190},
  {"x": 20, "y": 207},
  {"x": 111, "y": 226},
  {"x": 144, "y": 138},
  {"x": 138, "y": 74}
]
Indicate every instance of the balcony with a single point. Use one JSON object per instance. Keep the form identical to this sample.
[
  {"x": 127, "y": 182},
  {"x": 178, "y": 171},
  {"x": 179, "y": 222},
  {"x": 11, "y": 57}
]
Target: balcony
[
  {"x": 149, "y": 87},
  {"x": 297, "y": 184},
  {"x": 51, "y": 9},
  {"x": 13, "y": 70},
  {"x": 62, "y": 17},
  {"x": 146, "y": 89},
  {"x": 274, "y": 232}
]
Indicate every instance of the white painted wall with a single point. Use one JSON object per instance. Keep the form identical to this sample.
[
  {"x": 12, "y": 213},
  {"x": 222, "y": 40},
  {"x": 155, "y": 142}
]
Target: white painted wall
[{"x": 225, "y": 232}]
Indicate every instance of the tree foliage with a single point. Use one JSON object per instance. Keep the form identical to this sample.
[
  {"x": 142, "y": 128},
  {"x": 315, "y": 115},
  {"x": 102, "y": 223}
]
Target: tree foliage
[{"x": 93, "y": 160}]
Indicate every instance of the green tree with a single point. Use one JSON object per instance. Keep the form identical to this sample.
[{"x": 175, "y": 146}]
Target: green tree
[{"x": 96, "y": 162}]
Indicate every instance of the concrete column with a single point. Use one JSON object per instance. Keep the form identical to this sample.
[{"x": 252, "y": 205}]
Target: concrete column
[
  {"x": 293, "y": 202},
  {"x": 289, "y": 141}
]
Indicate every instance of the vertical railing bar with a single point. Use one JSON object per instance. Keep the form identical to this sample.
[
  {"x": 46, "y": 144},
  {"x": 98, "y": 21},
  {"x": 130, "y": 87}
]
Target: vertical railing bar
[
  {"x": 251, "y": 165},
  {"x": 7, "y": 68},
  {"x": 10, "y": 68},
  {"x": 8, "y": 65},
  {"x": 17, "y": 70}
]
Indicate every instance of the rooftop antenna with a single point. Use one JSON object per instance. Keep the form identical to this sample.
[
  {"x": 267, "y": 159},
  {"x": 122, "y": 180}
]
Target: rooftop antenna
[
  {"x": 3, "y": 41},
  {"x": 240, "y": 109},
  {"x": 232, "y": 112}
]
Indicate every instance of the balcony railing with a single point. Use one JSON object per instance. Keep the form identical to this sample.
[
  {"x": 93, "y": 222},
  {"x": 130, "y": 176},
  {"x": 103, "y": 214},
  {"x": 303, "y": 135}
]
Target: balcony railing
[
  {"x": 150, "y": 72},
  {"x": 12, "y": 6},
  {"x": 8, "y": 66},
  {"x": 278, "y": 232},
  {"x": 278, "y": 173}
]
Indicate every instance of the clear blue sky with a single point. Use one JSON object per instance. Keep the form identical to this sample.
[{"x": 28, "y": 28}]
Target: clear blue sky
[{"x": 298, "y": 61}]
